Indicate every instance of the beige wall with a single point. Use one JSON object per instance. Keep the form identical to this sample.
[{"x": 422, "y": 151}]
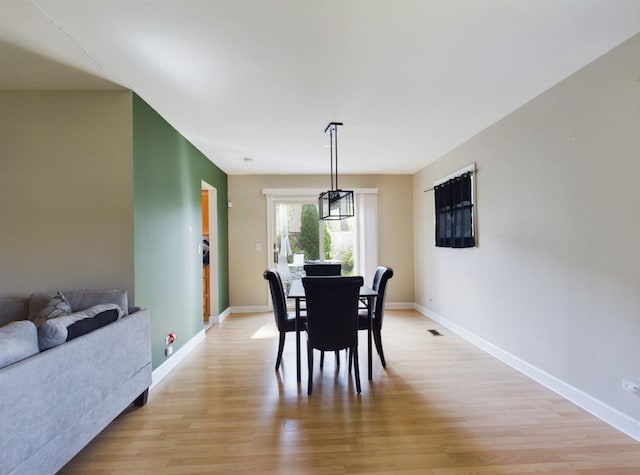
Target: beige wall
[
  {"x": 248, "y": 226},
  {"x": 555, "y": 279},
  {"x": 66, "y": 191}
]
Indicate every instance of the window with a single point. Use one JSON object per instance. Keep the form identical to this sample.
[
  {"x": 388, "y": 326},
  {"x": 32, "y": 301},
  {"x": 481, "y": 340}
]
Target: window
[
  {"x": 296, "y": 236},
  {"x": 454, "y": 211},
  {"x": 301, "y": 238}
]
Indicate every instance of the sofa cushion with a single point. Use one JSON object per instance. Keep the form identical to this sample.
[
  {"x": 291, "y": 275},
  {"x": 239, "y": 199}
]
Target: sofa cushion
[
  {"x": 80, "y": 300},
  {"x": 54, "y": 331},
  {"x": 56, "y": 307},
  {"x": 18, "y": 340}
]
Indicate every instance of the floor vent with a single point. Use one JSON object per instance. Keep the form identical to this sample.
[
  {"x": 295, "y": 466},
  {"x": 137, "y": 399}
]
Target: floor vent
[{"x": 435, "y": 333}]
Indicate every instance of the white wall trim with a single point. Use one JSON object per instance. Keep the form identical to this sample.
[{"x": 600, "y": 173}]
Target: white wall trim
[
  {"x": 165, "y": 368},
  {"x": 399, "y": 305},
  {"x": 251, "y": 309},
  {"x": 606, "y": 413},
  {"x": 213, "y": 319}
]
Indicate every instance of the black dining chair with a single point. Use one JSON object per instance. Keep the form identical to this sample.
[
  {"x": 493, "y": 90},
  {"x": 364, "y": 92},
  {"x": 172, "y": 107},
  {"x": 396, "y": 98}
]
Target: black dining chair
[
  {"x": 322, "y": 269},
  {"x": 285, "y": 321},
  {"x": 380, "y": 278},
  {"x": 332, "y": 318}
]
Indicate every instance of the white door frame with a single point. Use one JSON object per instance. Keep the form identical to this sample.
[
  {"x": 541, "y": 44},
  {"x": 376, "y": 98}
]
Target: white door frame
[{"x": 213, "y": 317}]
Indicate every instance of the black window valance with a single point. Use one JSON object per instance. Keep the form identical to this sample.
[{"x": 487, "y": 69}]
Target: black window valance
[{"x": 454, "y": 212}]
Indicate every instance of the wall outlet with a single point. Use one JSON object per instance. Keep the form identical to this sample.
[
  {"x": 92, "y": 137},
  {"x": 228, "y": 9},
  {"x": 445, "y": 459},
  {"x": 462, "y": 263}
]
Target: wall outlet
[
  {"x": 167, "y": 340},
  {"x": 631, "y": 387},
  {"x": 168, "y": 351}
]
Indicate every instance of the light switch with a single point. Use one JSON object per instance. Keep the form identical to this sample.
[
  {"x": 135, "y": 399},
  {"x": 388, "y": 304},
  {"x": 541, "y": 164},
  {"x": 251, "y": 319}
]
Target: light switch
[{"x": 258, "y": 246}]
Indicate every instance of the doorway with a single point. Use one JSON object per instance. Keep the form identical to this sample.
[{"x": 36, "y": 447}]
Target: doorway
[{"x": 210, "y": 310}]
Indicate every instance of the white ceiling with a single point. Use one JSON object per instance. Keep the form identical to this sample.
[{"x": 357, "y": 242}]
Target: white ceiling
[{"x": 410, "y": 79}]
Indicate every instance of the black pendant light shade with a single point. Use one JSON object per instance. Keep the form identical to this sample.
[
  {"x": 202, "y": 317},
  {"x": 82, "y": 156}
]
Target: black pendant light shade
[{"x": 335, "y": 203}]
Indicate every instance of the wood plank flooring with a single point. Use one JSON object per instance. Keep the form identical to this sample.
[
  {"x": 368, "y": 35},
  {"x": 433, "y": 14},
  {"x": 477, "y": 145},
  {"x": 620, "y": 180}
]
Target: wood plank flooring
[{"x": 441, "y": 407}]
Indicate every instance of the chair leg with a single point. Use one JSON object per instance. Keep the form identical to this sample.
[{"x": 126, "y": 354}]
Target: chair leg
[
  {"x": 356, "y": 367},
  {"x": 350, "y": 358},
  {"x": 310, "y": 367},
  {"x": 377, "y": 338},
  {"x": 338, "y": 359},
  {"x": 280, "y": 348}
]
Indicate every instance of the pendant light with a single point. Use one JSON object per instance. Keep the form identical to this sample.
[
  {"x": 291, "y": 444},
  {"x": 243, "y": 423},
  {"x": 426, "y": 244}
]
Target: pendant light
[{"x": 336, "y": 203}]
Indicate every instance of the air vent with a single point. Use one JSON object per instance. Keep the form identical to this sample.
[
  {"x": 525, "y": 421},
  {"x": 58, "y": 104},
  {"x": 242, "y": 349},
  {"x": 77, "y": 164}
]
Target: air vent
[{"x": 435, "y": 333}]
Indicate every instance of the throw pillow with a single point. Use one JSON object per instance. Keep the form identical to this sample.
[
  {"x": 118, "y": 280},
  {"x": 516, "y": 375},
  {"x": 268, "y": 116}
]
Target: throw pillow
[
  {"x": 79, "y": 299},
  {"x": 56, "y": 307},
  {"x": 87, "y": 325},
  {"x": 55, "y": 331}
]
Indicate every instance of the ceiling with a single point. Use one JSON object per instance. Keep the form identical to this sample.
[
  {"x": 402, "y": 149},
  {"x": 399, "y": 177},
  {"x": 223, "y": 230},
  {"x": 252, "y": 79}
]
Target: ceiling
[{"x": 258, "y": 79}]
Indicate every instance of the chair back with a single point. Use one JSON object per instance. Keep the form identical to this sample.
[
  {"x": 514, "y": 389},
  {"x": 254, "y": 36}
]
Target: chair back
[
  {"x": 380, "y": 278},
  {"x": 277, "y": 297},
  {"x": 332, "y": 311},
  {"x": 322, "y": 269}
]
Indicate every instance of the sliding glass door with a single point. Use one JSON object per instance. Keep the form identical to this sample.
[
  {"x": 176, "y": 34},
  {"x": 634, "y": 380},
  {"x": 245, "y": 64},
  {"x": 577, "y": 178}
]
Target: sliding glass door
[
  {"x": 297, "y": 236},
  {"x": 300, "y": 238}
]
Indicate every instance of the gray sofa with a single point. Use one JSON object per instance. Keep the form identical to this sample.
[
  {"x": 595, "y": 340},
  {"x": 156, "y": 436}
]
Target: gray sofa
[{"x": 56, "y": 401}]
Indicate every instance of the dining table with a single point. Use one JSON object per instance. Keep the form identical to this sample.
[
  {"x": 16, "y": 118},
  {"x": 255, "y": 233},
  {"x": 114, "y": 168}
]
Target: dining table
[{"x": 366, "y": 296}]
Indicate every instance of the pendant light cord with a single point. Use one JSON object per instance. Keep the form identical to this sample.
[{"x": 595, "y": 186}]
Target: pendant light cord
[
  {"x": 336, "y": 142},
  {"x": 333, "y": 145},
  {"x": 331, "y": 148}
]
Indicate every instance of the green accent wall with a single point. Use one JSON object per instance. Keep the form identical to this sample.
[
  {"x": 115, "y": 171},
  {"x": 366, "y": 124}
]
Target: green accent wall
[{"x": 168, "y": 171}]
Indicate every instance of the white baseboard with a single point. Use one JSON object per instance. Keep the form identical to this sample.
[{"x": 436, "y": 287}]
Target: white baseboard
[
  {"x": 399, "y": 305},
  {"x": 213, "y": 319},
  {"x": 251, "y": 309},
  {"x": 606, "y": 413},
  {"x": 165, "y": 368}
]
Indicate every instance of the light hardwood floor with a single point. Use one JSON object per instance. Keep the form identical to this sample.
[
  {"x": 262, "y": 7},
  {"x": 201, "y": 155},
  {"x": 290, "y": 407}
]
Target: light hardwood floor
[{"x": 441, "y": 407}]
